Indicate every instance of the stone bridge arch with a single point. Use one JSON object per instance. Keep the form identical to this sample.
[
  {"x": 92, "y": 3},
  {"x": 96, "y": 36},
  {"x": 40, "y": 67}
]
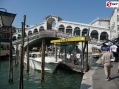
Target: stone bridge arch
[{"x": 52, "y": 22}]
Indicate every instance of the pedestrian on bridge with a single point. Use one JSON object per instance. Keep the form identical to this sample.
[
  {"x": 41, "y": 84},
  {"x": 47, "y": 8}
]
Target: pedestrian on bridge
[{"x": 106, "y": 62}]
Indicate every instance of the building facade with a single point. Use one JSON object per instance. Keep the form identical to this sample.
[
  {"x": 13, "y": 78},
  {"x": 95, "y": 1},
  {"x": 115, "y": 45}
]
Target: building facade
[
  {"x": 114, "y": 24},
  {"x": 4, "y": 40}
]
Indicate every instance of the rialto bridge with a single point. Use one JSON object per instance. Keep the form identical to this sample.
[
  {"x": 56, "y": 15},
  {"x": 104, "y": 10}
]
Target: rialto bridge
[{"x": 63, "y": 29}]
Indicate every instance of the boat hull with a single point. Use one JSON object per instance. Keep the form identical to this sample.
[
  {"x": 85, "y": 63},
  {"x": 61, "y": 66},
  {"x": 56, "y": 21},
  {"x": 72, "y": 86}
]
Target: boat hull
[{"x": 48, "y": 67}]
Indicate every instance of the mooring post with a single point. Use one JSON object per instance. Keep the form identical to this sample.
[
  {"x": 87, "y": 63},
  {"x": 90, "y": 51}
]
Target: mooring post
[
  {"x": 82, "y": 58},
  {"x": 22, "y": 54},
  {"x": 16, "y": 61},
  {"x": 56, "y": 52},
  {"x": 10, "y": 59},
  {"x": 28, "y": 55},
  {"x": 65, "y": 54},
  {"x": 0, "y": 52},
  {"x": 43, "y": 60},
  {"x": 21, "y": 62},
  {"x": 87, "y": 64},
  {"x": 59, "y": 52}
]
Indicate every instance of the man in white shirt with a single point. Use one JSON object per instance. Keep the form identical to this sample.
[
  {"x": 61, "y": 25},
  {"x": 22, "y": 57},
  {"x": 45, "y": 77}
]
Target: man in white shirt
[{"x": 113, "y": 49}]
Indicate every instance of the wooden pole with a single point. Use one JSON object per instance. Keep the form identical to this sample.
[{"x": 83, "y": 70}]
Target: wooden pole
[
  {"x": 24, "y": 24},
  {"x": 21, "y": 62},
  {"x": 22, "y": 55},
  {"x": 0, "y": 53},
  {"x": 87, "y": 65},
  {"x": 65, "y": 53},
  {"x": 16, "y": 61},
  {"x": 10, "y": 79},
  {"x": 82, "y": 56},
  {"x": 43, "y": 60},
  {"x": 59, "y": 52},
  {"x": 28, "y": 56},
  {"x": 56, "y": 52}
]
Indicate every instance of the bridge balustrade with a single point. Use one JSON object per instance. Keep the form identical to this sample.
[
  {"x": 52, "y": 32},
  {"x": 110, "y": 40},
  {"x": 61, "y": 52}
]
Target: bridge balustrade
[{"x": 43, "y": 34}]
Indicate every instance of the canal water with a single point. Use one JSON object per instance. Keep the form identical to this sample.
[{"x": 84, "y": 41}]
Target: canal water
[{"x": 61, "y": 80}]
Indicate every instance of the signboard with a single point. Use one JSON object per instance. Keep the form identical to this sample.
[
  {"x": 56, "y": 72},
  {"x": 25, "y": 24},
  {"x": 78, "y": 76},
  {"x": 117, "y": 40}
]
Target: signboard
[
  {"x": 72, "y": 39},
  {"x": 113, "y": 4}
]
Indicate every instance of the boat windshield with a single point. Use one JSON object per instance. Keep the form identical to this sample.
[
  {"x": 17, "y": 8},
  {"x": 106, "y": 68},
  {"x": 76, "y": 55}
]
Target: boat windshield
[{"x": 37, "y": 55}]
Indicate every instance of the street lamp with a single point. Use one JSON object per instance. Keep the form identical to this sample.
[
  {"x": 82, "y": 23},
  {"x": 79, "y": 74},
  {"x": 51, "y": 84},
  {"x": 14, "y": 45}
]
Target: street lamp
[{"x": 6, "y": 20}]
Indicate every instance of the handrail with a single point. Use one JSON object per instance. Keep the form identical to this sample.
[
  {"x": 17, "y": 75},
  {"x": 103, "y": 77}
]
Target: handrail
[{"x": 38, "y": 35}]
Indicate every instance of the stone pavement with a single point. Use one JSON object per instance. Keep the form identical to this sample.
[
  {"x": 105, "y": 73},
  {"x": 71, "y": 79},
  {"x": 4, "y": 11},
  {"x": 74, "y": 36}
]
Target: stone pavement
[
  {"x": 95, "y": 78},
  {"x": 99, "y": 81}
]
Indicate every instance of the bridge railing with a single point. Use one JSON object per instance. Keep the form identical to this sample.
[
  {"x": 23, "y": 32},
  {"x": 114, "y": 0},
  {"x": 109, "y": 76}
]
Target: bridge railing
[
  {"x": 31, "y": 37},
  {"x": 41, "y": 34}
]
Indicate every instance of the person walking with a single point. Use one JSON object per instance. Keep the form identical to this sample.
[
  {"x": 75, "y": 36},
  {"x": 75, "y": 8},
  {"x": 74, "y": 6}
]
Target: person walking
[
  {"x": 113, "y": 48},
  {"x": 106, "y": 62}
]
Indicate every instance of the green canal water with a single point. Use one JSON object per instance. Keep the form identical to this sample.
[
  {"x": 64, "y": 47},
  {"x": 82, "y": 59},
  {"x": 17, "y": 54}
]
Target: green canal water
[{"x": 61, "y": 80}]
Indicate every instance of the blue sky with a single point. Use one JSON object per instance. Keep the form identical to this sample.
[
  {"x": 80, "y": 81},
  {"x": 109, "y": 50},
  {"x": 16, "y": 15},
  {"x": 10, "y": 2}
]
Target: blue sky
[{"x": 83, "y": 11}]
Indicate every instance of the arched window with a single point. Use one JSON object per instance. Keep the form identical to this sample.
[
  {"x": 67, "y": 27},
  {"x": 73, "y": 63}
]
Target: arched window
[
  {"x": 29, "y": 33},
  {"x": 84, "y": 32},
  {"x": 35, "y": 30},
  {"x": 69, "y": 29},
  {"x": 61, "y": 28},
  {"x": 76, "y": 31},
  {"x": 41, "y": 28},
  {"x": 94, "y": 34},
  {"x": 103, "y": 36}
]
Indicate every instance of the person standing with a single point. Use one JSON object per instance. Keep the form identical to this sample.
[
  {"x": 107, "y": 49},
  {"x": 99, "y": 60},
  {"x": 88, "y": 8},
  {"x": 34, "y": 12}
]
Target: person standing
[
  {"x": 113, "y": 48},
  {"x": 106, "y": 62}
]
